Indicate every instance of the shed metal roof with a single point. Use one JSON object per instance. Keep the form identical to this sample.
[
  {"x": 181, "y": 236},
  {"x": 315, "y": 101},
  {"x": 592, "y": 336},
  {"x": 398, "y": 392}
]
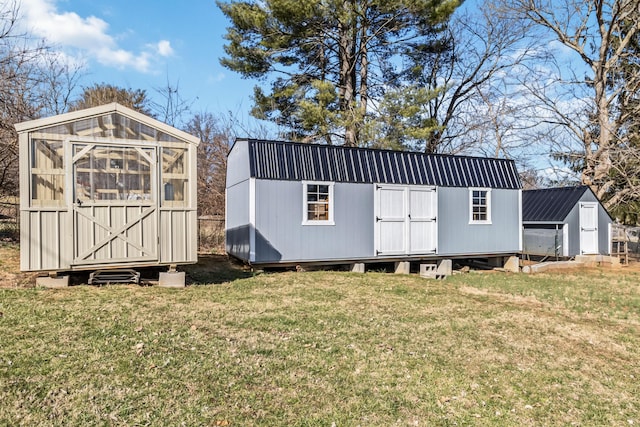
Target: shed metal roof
[
  {"x": 297, "y": 162},
  {"x": 550, "y": 204}
]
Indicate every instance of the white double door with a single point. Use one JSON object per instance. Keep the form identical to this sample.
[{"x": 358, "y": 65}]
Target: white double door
[{"x": 405, "y": 220}]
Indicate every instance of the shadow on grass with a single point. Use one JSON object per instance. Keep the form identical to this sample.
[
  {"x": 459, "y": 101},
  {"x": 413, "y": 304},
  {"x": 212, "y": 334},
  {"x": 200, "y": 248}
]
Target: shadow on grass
[
  {"x": 209, "y": 270},
  {"x": 214, "y": 269}
]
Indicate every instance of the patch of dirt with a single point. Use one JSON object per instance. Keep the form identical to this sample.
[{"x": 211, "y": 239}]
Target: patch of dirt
[
  {"x": 10, "y": 275},
  {"x": 529, "y": 300}
]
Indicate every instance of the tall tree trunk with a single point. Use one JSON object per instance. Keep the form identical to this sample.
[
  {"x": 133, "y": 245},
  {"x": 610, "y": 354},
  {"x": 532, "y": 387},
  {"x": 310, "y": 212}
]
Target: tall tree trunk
[
  {"x": 347, "y": 74},
  {"x": 364, "y": 72}
]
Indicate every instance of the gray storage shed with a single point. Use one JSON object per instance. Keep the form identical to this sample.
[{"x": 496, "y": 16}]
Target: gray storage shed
[
  {"x": 106, "y": 187},
  {"x": 565, "y": 222},
  {"x": 291, "y": 203}
]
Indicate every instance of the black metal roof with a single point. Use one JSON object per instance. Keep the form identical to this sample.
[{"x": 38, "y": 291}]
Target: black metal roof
[
  {"x": 296, "y": 162},
  {"x": 550, "y": 204}
]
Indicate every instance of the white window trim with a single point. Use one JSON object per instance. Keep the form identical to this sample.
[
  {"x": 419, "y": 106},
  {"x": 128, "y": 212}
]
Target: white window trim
[
  {"x": 306, "y": 221},
  {"x": 471, "y": 220}
]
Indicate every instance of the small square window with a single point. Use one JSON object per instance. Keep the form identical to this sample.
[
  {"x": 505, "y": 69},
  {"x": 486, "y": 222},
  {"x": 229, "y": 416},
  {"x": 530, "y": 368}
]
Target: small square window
[
  {"x": 318, "y": 204},
  {"x": 480, "y": 206}
]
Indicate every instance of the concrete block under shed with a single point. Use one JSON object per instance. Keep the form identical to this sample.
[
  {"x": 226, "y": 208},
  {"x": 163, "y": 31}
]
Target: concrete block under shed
[
  {"x": 357, "y": 267},
  {"x": 439, "y": 270},
  {"x": 172, "y": 279},
  {"x": 512, "y": 264},
  {"x": 547, "y": 266},
  {"x": 52, "y": 282},
  {"x": 403, "y": 267},
  {"x": 598, "y": 260}
]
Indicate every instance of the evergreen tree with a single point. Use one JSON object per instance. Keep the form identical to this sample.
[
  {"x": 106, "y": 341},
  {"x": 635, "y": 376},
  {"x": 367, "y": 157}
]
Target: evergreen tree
[{"x": 327, "y": 61}]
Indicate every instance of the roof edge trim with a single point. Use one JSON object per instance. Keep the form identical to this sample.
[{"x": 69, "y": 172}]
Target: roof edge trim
[{"x": 113, "y": 107}]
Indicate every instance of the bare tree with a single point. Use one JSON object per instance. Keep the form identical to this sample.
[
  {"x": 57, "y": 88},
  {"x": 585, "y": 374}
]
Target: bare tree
[
  {"x": 59, "y": 80},
  {"x": 19, "y": 79},
  {"x": 34, "y": 81},
  {"x": 172, "y": 107},
  {"x": 216, "y": 137},
  {"x": 217, "y": 134},
  {"x": 584, "y": 98},
  {"x": 477, "y": 104}
]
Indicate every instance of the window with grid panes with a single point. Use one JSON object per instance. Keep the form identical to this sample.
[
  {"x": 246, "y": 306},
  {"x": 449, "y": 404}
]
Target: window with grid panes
[
  {"x": 318, "y": 199},
  {"x": 480, "y": 202}
]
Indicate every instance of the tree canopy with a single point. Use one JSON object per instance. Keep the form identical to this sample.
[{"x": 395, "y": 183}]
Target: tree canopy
[
  {"x": 103, "y": 93},
  {"x": 596, "y": 106},
  {"x": 328, "y": 61}
]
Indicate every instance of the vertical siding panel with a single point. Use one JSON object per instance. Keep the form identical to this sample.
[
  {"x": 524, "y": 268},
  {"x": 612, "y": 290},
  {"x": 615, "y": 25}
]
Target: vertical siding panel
[
  {"x": 26, "y": 245},
  {"x": 134, "y": 234},
  {"x": 166, "y": 233},
  {"x": 34, "y": 241},
  {"x": 49, "y": 240},
  {"x": 102, "y": 214},
  {"x": 117, "y": 247}
]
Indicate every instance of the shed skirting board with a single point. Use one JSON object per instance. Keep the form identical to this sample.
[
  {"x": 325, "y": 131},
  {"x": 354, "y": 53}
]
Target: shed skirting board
[{"x": 408, "y": 258}]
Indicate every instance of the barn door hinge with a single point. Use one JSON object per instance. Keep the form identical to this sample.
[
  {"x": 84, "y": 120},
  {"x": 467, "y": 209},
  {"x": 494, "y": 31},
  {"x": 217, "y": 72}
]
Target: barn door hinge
[{"x": 378, "y": 218}]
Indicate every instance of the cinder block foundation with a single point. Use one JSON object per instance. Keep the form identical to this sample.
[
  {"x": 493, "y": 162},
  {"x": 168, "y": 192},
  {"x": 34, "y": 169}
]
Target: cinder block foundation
[
  {"x": 402, "y": 267},
  {"x": 172, "y": 279},
  {"x": 52, "y": 282},
  {"x": 357, "y": 267},
  {"x": 439, "y": 270},
  {"x": 512, "y": 264}
]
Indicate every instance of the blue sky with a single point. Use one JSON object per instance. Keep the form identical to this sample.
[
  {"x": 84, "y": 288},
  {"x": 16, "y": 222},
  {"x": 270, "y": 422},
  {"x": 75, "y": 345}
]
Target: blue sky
[{"x": 142, "y": 43}]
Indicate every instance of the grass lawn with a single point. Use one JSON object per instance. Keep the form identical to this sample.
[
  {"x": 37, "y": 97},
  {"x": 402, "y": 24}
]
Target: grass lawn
[{"x": 326, "y": 348}]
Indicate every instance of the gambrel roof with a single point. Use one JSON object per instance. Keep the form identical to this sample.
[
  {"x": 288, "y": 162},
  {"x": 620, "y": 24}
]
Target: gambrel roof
[{"x": 279, "y": 160}]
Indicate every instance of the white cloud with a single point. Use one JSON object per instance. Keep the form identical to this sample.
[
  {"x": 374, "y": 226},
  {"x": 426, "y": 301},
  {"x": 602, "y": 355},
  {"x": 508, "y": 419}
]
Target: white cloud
[
  {"x": 89, "y": 35},
  {"x": 216, "y": 78},
  {"x": 164, "y": 48}
]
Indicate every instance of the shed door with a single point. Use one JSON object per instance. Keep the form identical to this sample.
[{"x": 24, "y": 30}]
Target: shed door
[
  {"x": 391, "y": 213},
  {"x": 422, "y": 220},
  {"x": 588, "y": 228},
  {"x": 115, "y": 206},
  {"x": 405, "y": 220}
]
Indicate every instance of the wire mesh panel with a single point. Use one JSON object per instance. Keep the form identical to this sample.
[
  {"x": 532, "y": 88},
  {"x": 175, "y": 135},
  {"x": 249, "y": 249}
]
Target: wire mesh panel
[{"x": 543, "y": 242}]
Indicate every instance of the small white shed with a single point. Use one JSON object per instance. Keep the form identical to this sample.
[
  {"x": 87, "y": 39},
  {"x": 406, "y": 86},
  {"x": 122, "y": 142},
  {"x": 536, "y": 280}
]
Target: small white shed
[
  {"x": 106, "y": 187},
  {"x": 565, "y": 222}
]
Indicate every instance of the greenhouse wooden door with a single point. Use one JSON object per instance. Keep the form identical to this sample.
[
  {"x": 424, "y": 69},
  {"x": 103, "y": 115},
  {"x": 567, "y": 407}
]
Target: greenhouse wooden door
[{"x": 115, "y": 206}]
